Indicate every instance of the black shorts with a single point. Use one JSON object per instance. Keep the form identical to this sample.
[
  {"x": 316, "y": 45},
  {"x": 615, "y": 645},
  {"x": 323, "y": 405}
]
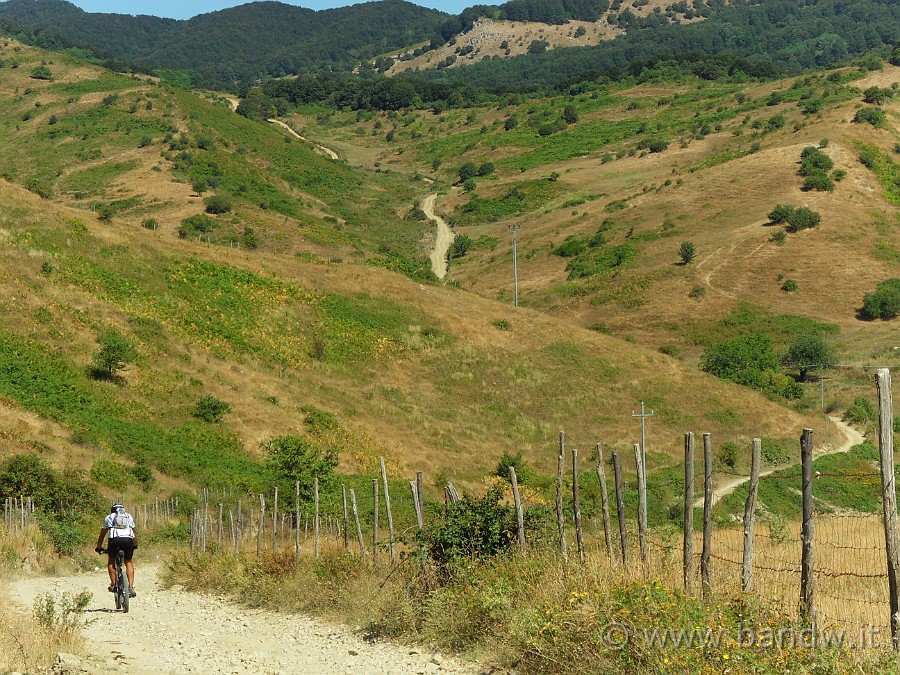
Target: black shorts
[{"x": 124, "y": 543}]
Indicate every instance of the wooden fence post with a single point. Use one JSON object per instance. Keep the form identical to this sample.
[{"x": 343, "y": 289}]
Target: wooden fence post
[
  {"x": 889, "y": 495},
  {"x": 560, "y": 516},
  {"x": 707, "y": 516},
  {"x": 387, "y": 508},
  {"x": 275, "y": 520},
  {"x": 346, "y": 519},
  {"x": 620, "y": 508},
  {"x": 604, "y": 502},
  {"x": 688, "y": 569},
  {"x": 750, "y": 517},
  {"x": 316, "y": 516},
  {"x": 297, "y": 518},
  {"x": 641, "y": 515},
  {"x": 220, "y": 526},
  {"x": 807, "y": 579},
  {"x": 374, "y": 521},
  {"x": 359, "y": 536},
  {"x": 259, "y": 532},
  {"x": 576, "y": 506},
  {"x": 520, "y": 518},
  {"x": 420, "y": 498}
]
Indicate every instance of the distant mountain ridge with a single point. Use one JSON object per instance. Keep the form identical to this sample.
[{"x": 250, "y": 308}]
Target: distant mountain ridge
[{"x": 239, "y": 44}]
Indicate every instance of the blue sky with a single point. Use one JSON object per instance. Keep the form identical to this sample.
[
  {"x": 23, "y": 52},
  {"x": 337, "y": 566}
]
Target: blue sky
[{"x": 184, "y": 9}]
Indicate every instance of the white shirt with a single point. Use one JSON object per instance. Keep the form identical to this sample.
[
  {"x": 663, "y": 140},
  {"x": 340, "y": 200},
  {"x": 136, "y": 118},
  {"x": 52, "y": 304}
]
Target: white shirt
[{"x": 110, "y": 524}]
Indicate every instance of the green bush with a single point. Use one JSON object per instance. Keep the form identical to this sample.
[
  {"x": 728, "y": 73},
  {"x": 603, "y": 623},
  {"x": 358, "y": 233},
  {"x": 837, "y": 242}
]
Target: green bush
[
  {"x": 862, "y": 411},
  {"x": 686, "y": 252},
  {"x": 570, "y": 248},
  {"x": 780, "y": 213},
  {"x": 41, "y": 73},
  {"x": 789, "y": 286},
  {"x": 819, "y": 181},
  {"x": 874, "y": 116},
  {"x": 883, "y": 302},
  {"x": 150, "y": 224},
  {"x": 473, "y": 528},
  {"x": 802, "y": 219},
  {"x": 210, "y": 409},
  {"x": 196, "y": 225},
  {"x": 524, "y": 472},
  {"x": 218, "y": 204},
  {"x": 295, "y": 458},
  {"x": 461, "y": 245}
]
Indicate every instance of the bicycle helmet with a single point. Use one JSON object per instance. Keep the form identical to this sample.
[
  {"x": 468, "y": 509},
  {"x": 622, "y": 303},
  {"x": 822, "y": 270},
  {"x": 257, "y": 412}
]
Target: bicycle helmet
[{"x": 115, "y": 508}]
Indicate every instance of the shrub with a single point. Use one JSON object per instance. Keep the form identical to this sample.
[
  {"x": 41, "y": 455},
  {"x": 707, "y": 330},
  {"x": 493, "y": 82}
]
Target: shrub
[
  {"x": 218, "y": 204},
  {"x": 802, "y": 219},
  {"x": 196, "y": 225},
  {"x": 819, "y": 181},
  {"x": 41, "y": 73},
  {"x": 686, "y": 252},
  {"x": 570, "y": 115},
  {"x": 210, "y": 409},
  {"x": 778, "y": 237},
  {"x": 742, "y": 360},
  {"x": 486, "y": 169},
  {"x": 473, "y": 528},
  {"x": 697, "y": 292},
  {"x": 862, "y": 411},
  {"x": 874, "y": 116},
  {"x": 789, "y": 286},
  {"x": 150, "y": 224},
  {"x": 250, "y": 239},
  {"x": 570, "y": 248},
  {"x": 838, "y": 175},
  {"x": 467, "y": 171},
  {"x": 523, "y": 471},
  {"x": 883, "y": 302},
  {"x": 462, "y": 243}
]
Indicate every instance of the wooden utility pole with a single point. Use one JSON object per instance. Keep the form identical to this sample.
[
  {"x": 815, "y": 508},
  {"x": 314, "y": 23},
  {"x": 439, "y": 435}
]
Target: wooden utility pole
[{"x": 642, "y": 513}]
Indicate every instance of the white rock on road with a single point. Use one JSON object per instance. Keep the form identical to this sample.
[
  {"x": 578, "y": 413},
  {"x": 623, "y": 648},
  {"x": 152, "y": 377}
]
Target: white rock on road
[{"x": 173, "y": 631}]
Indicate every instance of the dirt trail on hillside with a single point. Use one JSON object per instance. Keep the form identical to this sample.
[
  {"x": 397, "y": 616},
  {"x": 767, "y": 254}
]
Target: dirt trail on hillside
[
  {"x": 444, "y": 238},
  {"x": 173, "y": 631},
  {"x": 321, "y": 148},
  {"x": 852, "y": 436}
]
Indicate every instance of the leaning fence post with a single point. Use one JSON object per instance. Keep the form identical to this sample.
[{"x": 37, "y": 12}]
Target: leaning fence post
[
  {"x": 420, "y": 498},
  {"x": 576, "y": 506},
  {"x": 807, "y": 579},
  {"x": 889, "y": 495},
  {"x": 517, "y": 500},
  {"x": 620, "y": 508},
  {"x": 359, "y": 536},
  {"x": 641, "y": 515},
  {"x": 687, "y": 550},
  {"x": 560, "y": 516},
  {"x": 707, "y": 516},
  {"x": 275, "y": 521},
  {"x": 750, "y": 517},
  {"x": 387, "y": 508},
  {"x": 604, "y": 502}
]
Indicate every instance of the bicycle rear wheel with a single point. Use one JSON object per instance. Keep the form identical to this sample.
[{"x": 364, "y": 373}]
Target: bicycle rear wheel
[{"x": 125, "y": 592}]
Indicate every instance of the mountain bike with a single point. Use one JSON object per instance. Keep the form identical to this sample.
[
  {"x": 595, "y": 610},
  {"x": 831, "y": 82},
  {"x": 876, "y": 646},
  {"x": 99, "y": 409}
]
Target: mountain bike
[{"x": 122, "y": 592}]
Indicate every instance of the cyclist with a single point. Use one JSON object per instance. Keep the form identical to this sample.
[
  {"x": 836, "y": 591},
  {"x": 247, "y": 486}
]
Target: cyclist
[{"x": 122, "y": 535}]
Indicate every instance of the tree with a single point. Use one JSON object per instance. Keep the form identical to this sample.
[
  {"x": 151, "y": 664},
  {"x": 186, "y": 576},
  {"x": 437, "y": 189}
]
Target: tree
[
  {"x": 467, "y": 171},
  {"x": 298, "y": 459},
  {"x": 743, "y": 360},
  {"x": 780, "y": 213},
  {"x": 114, "y": 354},
  {"x": 200, "y": 185},
  {"x": 570, "y": 115},
  {"x": 686, "y": 252},
  {"x": 809, "y": 352},
  {"x": 461, "y": 245}
]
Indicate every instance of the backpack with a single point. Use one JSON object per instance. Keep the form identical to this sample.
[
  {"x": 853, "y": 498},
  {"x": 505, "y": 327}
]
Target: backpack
[{"x": 121, "y": 520}]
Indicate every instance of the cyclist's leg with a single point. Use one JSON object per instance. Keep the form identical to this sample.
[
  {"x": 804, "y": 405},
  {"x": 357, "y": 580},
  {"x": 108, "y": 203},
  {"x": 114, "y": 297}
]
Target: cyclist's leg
[
  {"x": 111, "y": 568},
  {"x": 129, "y": 570}
]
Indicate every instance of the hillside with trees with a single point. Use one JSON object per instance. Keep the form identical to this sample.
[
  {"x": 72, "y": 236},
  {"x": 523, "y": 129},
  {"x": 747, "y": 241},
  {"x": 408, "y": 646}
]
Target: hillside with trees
[{"x": 240, "y": 44}]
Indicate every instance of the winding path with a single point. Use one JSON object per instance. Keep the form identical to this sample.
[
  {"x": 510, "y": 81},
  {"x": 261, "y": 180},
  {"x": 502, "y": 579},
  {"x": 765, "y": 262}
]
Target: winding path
[
  {"x": 444, "y": 238},
  {"x": 328, "y": 152},
  {"x": 852, "y": 436}
]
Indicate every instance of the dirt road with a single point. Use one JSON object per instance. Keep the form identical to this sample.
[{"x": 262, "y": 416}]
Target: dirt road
[
  {"x": 853, "y": 437},
  {"x": 328, "y": 152},
  {"x": 444, "y": 238},
  {"x": 174, "y": 631}
]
